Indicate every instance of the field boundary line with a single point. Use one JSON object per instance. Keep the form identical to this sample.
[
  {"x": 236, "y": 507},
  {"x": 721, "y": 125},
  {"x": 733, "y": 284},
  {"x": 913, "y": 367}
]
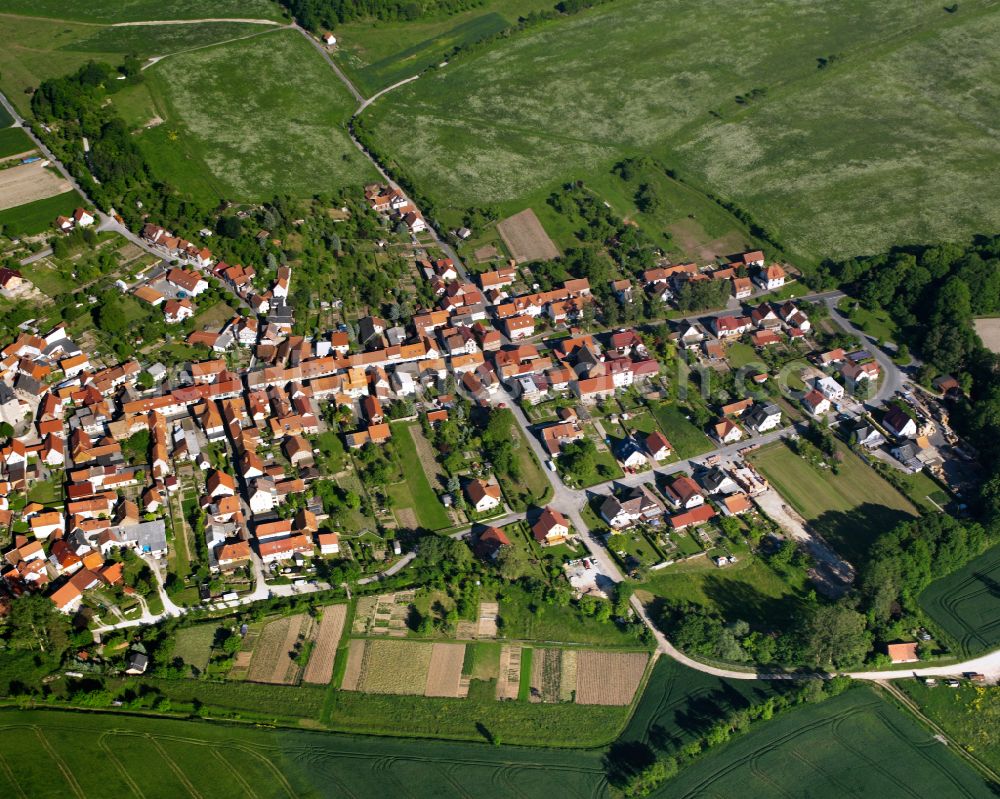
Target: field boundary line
[
  {"x": 8, "y": 772},
  {"x": 52, "y": 753},
  {"x": 234, "y": 771},
  {"x": 172, "y": 765},
  {"x": 132, "y": 784},
  {"x": 913, "y": 708}
]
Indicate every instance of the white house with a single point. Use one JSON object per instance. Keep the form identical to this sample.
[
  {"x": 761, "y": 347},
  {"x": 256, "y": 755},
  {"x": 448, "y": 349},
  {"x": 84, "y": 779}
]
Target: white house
[
  {"x": 899, "y": 423},
  {"x": 764, "y": 416},
  {"x": 483, "y": 496},
  {"x": 830, "y": 389},
  {"x": 771, "y": 278},
  {"x": 816, "y": 403}
]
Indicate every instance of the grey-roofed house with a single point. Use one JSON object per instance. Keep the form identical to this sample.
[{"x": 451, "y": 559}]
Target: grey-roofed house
[
  {"x": 149, "y": 538},
  {"x": 763, "y": 416}
]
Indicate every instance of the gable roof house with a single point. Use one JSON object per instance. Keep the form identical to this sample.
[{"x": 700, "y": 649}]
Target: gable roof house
[
  {"x": 483, "y": 496},
  {"x": 684, "y": 492},
  {"x": 490, "y": 542},
  {"x": 658, "y": 446},
  {"x": 764, "y": 416},
  {"x": 816, "y": 403},
  {"x": 551, "y": 527},
  {"x": 899, "y": 423},
  {"x": 635, "y": 505}
]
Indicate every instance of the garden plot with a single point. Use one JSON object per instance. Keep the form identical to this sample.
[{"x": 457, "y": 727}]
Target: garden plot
[
  {"x": 273, "y": 654},
  {"x": 608, "y": 678},
  {"x": 331, "y": 626},
  {"x": 553, "y": 675},
  {"x": 487, "y": 625},
  {"x": 526, "y": 238},
  {"x": 509, "y": 682},
  {"x": 384, "y": 614},
  {"x": 444, "y": 676}
]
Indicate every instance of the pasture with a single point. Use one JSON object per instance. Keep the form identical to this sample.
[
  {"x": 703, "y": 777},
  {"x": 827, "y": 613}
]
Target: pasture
[
  {"x": 756, "y": 112},
  {"x": 248, "y": 134},
  {"x": 854, "y": 744},
  {"x": 966, "y": 604},
  {"x": 848, "y": 509}
]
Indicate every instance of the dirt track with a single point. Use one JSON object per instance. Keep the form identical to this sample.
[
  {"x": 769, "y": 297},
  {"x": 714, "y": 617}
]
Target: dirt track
[{"x": 27, "y": 183}]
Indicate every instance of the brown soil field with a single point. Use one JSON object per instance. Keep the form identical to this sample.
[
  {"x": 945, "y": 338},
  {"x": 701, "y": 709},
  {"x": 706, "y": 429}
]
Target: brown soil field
[
  {"x": 272, "y": 662},
  {"x": 355, "y": 662},
  {"x": 526, "y": 238},
  {"x": 487, "y": 253},
  {"x": 444, "y": 676},
  {"x": 29, "y": 182},
  {"x": 487, "y": 624},
  {"x": 546, "y": 675},
  {"x": 608, "y": 678},
  {"x": 989, "y": 331},
  {"x": 320, "y": 667},
  {"x": 509, "y": 683}
]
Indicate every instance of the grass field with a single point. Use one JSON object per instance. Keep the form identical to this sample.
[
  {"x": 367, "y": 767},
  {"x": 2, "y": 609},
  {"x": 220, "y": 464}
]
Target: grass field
[
  {"x": 136, "y": 10},
  {"x": 14, "y": 141},
  {"x": 748, "y": 590},
  {"x": 686, "y": 439},
  {"x": 966, "y": 604},
  {"x": 969, "y": 713},
  {"x": 568, "y": 98},
  {"x": 248, "y": 134},
  {"x": 39, "y": 215},
  {"x": 416, "y": 491},
  {"x": 848, "y": 509},
  {"x": 852, "y": 745}
]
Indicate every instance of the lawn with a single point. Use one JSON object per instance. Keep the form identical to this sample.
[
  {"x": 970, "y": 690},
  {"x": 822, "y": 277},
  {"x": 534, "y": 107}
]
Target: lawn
[
  {"x": 418, "y": 493},
  {"x": 969, "y": 713},
  {"x": 566, "y": 99},
  {"x": 877, "y": 324},
  {"x": 37, "y": 216},
  {"x": 855, "y": 744},
  {"x": 849, "y": 509},
  {"x": 966, "y": 604},
  {"x": 739, "y": 354},
  {"x": 248, "y": 134},
  {"x": 686, "y": 439},
  {"x": 749, "y": 590},
  {"x": 193, "y": 645},
  {"x": 14, "y": 141}
]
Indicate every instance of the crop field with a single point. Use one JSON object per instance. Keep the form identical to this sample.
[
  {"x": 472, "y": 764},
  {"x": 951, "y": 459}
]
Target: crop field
[
  {"x": 966, "y": 604},
  {"x": 247, "y": 134},
  {"x": 553, "y": 675},
  {"x": 272, "y": 653},
  {"x": 509, "y": 681},
  {"x": 14, "y": 141},
  {"x": 331, "y": 626},
  {"x": 26, "y": 183},
  {"x": 852, "y": 745},
  {"x": 444, "y": 675},
  {"x": 608, "y": 678},
  {"x": 526, "y": 238},
  {"x": 56, "y": 754},
  {"x": 34, "y": 217},
  {"x": 388, "y": 667},
  {"x": 846, "y": 515},
  {"x": 136, "y": 10},
  {"x": 756, "y": 117}
]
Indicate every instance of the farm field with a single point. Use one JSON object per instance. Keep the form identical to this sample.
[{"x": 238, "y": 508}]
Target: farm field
[
  {"x": 854, "y": 744},
  {"x": 34, "y": 217},
  {"x": 262, "y": 136},
  {"x": 965, "y": 604},
  {"x": 969, "y": 713},
  {"x": 26, "y": 183},
  {"x": 271, "y": 660},
  {"x": 136, "y": 10},
  {"x": 331, "y": 627},
  {"x": 836, "y": 506},
  {"x": 197, "y": 758},
  {"x": 756, "y": 118},
  {"x": 525, "y": 238},
  {"x": 14, "y": 141}
]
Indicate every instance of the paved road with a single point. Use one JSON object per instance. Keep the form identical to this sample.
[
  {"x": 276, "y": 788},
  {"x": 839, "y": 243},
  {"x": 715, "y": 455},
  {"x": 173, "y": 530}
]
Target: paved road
[{"x": 36, "y": 256}]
